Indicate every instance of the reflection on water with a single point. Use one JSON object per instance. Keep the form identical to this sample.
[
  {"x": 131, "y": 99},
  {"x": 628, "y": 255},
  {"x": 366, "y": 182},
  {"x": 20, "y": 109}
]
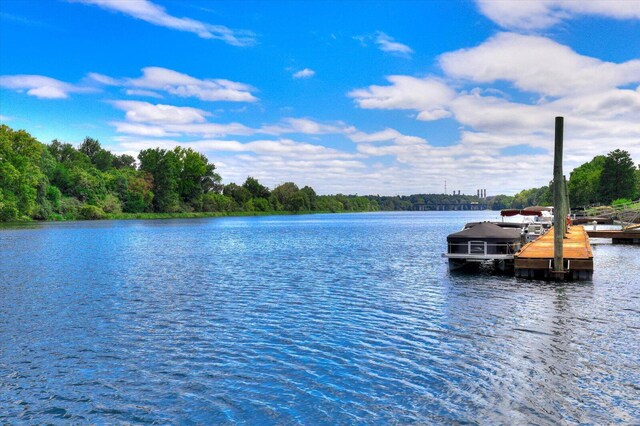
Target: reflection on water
[{"x": 312, "y": 319}]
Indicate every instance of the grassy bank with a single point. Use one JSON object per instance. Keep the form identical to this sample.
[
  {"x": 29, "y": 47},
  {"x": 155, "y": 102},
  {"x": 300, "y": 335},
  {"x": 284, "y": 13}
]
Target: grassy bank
[{"x": 193, "y": 215}]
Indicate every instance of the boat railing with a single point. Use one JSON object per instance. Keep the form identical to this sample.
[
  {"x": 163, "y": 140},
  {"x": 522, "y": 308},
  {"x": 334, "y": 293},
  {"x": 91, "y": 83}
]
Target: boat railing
[{"x": 483, "y": 248}]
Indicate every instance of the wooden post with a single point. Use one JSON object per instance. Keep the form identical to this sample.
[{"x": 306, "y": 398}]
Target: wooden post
[
  {"x": 558, "y": 204},
  {"x": 567, "y": 203}
]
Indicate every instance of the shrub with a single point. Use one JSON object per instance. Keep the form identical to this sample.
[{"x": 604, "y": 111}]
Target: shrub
[
  {"x": 261, "y": 204},
  {"x": 8, "y": 212},
  {"x": 212, "y": 202},
  {"x": 54, "y": 196},
  {"x": 111, "y": 204},
  {"x": 90, "y": 212},
  {"x": 621, "y": 202},
  {"x": 70, "y": 208}
]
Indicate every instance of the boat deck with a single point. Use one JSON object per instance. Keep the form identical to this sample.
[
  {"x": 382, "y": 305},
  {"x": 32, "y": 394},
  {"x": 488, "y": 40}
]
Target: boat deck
[{"x": 535, "y": 259}]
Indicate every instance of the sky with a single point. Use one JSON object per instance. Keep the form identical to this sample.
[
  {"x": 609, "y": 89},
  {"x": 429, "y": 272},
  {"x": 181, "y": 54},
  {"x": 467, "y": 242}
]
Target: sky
[{"x": 356, "y": 97}]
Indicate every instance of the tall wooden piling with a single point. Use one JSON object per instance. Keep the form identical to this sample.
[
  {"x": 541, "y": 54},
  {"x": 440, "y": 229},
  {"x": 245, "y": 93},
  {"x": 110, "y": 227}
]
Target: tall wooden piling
[{"x": 559, "y": 221}]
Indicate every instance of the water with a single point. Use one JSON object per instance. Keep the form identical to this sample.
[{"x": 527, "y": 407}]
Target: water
[{"x": 323, "y": 319}]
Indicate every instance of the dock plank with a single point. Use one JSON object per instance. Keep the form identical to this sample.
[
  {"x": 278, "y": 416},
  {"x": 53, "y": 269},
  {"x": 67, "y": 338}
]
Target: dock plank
[
  {"x": 535, "y": 259},
  {"x": 575, "y": 246}
]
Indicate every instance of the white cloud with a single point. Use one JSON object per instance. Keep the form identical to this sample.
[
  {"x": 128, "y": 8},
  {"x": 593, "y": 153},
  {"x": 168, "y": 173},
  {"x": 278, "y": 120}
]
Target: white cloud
[
  {"x": 305, "y": 126},
  {"x": 206, "y": 130},
  {"x": 142, "y": 129},
  {"x": 144, "y": 112},
  {"x": 429, "y": 96},
  {"x": 601, "y": 113},
  {"x": 182, "y": 85},
  {"x": 142, "y": 92},
  {"x": 40, "y": 86},
  {"x": 536, "y": 14},
  {"x": 387, "y": 43},
  {"x": 537, "y": 64},
  {"x": 160, "y": 120},
  {"x": 386, "y": 135},
  {"x": 103, "y": 79},
  {"x": 280, "y": 147},
  {"x": 305, "y": 73},
  {"x": 154, "y": 14},
  {"x": 5, "y": 118}
]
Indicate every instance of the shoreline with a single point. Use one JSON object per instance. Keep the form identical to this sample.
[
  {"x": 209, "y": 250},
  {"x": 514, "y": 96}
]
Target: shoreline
[
  {"x": 181, "y": 215},
  {"x": 200, "y": 215}
]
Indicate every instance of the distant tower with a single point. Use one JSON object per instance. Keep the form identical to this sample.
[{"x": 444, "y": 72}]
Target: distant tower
[{"x": 445, "y": 186}]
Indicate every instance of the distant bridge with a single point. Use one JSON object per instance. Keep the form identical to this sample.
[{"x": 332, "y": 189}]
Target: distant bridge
[{"x": 450, "y": 206}]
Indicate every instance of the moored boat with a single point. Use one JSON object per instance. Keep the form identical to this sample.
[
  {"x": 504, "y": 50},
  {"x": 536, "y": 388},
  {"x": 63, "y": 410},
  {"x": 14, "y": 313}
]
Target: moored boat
[
  {"x": 497, "y": 242},
  {"x": 481, "y": 242}
]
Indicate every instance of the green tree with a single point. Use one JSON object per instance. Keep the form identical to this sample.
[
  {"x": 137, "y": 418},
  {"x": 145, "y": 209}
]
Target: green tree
[
  {"x": 238, "y": 193},
  {"x": 90, "y": 147},
  {"x": 283, "y": 194},
  {"x": 100, "y": 158},
  {"x": 88, "y": 185},
  {"x": 618, "y": 177},
  {"x": 164, "y": 167},
  {"x": 124, "y": 161},
  {"x": 533, "y": 197},
  {"x": 21, "y": 178},
  {"x": 256, "y": 189},
  {"x": 584, "y": 182},
  {"x": 311, "y": 197},
  {"x": 196, "y": 176},
  {"x": 214, "y": 202}
]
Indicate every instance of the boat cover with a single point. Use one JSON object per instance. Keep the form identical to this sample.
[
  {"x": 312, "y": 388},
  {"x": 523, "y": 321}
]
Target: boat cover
[
  {"x": 523, "y": 212},
  {"x": 539, "y": 208},
  {"x": 500, "y": 224},
  {"x": 485, "y": 231}
]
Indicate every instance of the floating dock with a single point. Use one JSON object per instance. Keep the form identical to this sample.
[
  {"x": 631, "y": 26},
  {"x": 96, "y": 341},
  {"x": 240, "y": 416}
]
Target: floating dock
[
  {"x": 580, "y": 220},
  {"x": 535, "y": 259},
  {"x": 618, "y": 237}
]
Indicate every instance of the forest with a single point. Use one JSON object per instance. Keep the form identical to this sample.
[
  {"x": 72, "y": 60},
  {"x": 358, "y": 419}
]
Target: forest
[{"x": 61, "y": 182}]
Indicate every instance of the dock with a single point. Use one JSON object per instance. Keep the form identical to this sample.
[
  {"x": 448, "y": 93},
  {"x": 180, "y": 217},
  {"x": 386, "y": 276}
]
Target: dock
[
  {"x": 631, "y": 236},
  {"x": 535, "y": 259}
]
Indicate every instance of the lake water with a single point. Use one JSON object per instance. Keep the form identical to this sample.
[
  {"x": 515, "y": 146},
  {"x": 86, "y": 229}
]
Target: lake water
[{"x": 322, "y": 319}]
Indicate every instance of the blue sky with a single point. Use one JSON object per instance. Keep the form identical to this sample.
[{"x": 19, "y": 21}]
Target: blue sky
[{"x": 368, "y": 97}]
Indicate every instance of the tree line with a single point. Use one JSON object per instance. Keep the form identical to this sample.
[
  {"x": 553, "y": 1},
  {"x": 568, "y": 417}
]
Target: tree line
[
  {"x": 61, "y": 182},
  {"x": 604, "y": 180}
]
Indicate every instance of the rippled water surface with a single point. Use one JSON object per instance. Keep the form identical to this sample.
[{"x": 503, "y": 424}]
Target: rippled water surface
[{"x": 319, "y": 319}]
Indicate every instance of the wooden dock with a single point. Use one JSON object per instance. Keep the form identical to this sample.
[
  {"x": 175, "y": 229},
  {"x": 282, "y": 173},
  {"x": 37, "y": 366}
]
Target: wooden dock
[
  {"x": 535, "y": 259},
  {"x": 631, "y": 236}
]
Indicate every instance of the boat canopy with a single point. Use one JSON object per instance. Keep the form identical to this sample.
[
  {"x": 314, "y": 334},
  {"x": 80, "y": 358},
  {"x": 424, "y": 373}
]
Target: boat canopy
[
  {"x": 540, "y": 208},
  {"x": 523, "y": 212},
  {"x": 500, "y": 224},
  {"x": 485, "y": 231}
]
